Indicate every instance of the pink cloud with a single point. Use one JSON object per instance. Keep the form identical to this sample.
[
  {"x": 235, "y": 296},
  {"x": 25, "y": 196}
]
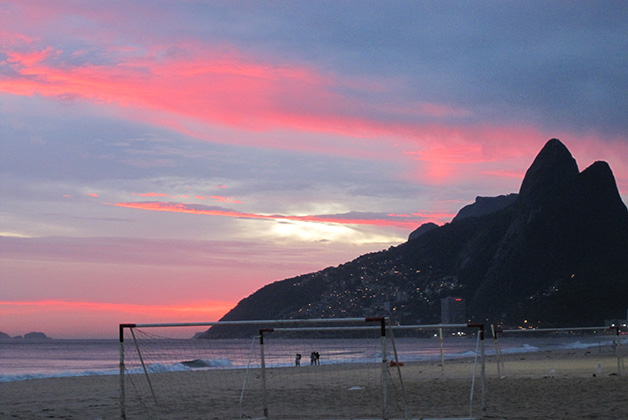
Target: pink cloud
[
  {"x": 153, "y": 194},
  {"x": 199, "y": 84},
  {"x": 205, "y": 86},
  {"x": 92, "y": 194},
  {"x": 29, "y": 59},
  {"x": 442, "y": 110},
  {"x": 505, "y": 174},
  {"x": 224, "y": 199},
  {"x": 426, "y": 217},
  {"x": 446, "y": 155},
  {"x": 435, "y": 216}
]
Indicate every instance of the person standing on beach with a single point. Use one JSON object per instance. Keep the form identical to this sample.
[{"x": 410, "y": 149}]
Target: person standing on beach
[{"x": 297, "y": 361}]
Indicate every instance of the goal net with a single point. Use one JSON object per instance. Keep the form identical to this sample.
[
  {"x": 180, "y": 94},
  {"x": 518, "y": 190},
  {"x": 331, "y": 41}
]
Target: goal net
[
  {"x": 443, "y": 369},
  {"x": 290, "y": 369}
]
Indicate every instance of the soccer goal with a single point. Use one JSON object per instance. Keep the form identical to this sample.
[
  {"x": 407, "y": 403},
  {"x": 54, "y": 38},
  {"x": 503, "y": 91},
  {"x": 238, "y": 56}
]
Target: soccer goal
[
  {"x": 562, "y": 350},
  {"x": 278, "y": 369}
]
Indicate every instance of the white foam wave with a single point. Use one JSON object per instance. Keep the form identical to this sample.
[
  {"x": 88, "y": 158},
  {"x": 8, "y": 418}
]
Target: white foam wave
[
  {"x": 29, "y": 376},
  {"x": 526, "y": 348}
]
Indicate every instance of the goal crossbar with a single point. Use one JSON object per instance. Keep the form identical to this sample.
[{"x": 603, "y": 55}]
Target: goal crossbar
[
  {"x": 252, "y": 322},
  {"x": 531, "y": 330}
]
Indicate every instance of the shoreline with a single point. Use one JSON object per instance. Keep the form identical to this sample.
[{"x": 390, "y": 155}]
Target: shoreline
[
  {"x": 12, "y": 374},
  {"x": 553, "y": 385}
]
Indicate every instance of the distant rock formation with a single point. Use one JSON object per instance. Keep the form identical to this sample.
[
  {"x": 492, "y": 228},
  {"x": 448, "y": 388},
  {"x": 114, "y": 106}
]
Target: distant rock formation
[
  {"x": 35, "y": 336},
  {"x": 484, "y": 206},
  {"x": 556, "y": 253},
  {"x": 424, "y": 228},
  {"x": 28, "y": 336}
]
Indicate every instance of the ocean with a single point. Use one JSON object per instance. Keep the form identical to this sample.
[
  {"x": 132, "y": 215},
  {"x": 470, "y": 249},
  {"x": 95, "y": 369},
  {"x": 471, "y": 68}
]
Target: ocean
[{"x": 32, "y": 359}]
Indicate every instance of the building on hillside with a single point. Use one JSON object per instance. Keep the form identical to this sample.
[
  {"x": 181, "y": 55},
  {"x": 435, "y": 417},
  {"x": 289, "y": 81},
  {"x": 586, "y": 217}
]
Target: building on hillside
[
  {"x": 617, "y": 322},
  {"x": 452, "y": 310}
]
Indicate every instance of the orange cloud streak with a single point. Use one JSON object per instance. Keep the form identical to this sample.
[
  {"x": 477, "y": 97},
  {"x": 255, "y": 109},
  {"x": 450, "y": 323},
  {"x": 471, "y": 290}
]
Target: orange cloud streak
[
  {"x": 183, "y": 208},
  {"x": 205, "y": 310},
  {"x": 59, "y": 318}
]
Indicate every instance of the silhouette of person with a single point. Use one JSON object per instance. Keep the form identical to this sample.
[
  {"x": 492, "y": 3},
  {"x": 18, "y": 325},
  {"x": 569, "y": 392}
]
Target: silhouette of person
[{"x": 297, "y": 360}]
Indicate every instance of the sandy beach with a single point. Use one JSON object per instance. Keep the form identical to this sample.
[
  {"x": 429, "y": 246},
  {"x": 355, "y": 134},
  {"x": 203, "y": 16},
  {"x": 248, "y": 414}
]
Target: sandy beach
[{"x": 544, "y": 385}]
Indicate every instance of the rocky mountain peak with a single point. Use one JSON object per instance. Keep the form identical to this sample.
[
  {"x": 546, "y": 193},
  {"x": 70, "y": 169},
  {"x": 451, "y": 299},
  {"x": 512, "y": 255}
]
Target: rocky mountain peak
[
  {"x": 599, "y": 197},
  {"x": 599, "y": 181},
  {"x": 553, "y": 171}
]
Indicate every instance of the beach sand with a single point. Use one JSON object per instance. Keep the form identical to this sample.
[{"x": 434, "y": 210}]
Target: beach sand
[{"x": 545, "y": 385}]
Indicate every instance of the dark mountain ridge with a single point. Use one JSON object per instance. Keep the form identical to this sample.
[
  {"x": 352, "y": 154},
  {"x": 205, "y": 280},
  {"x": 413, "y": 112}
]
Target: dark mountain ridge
[
  {"x": 485, "y": 205},
  {"x": 554, "y": 254}
]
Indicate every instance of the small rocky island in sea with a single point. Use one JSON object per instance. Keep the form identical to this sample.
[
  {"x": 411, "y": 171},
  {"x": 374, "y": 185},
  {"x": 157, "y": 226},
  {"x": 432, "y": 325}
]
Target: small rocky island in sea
[{"x": 28, "y": 336}]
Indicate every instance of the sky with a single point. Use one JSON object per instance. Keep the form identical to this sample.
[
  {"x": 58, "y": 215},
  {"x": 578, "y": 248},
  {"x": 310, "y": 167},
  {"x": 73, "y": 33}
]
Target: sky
[{"x": 161, "y": 160}]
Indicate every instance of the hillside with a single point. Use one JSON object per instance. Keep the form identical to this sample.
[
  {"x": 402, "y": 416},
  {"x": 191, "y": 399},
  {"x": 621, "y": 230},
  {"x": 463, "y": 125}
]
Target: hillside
[{"x": 556, "y": 253}]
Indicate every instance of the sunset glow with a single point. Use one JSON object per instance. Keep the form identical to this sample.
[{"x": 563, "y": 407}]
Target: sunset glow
[
  {"x": 75, "y": 314},
  {"x": 162, "y": 161}
]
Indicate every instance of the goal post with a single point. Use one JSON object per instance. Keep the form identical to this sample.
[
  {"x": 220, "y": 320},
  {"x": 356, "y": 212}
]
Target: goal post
[
  {"x": 467, "y": 359},
  {"x": 340, "y": 368}
]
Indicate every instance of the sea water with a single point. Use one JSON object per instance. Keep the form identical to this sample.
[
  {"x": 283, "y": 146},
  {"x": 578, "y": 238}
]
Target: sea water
[{"x": 22, "y": 359}]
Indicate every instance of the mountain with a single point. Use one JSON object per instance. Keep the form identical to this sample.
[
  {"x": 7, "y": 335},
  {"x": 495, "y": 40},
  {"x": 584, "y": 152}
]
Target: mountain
[
  {"x": 556, "y": 253},
  {"x": 485, "y": 205}
]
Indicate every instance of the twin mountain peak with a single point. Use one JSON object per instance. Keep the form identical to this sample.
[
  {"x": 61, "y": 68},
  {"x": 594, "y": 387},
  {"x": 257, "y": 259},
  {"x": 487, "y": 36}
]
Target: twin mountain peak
[{"x": 555, "y": 254}]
